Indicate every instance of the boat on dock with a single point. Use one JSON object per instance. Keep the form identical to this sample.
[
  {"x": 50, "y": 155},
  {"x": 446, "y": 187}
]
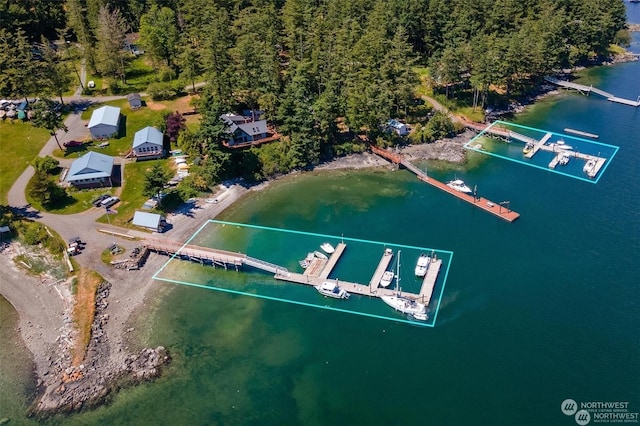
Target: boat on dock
[
  {"x": 459, "y": 186},
  {"x": 307, "y": 260},
  {"x": 407, "y": 306},
  {"x": 422, "y": 265},
  {"x": 387, "y": 279},
  {"x": 589, "y": 167},
  {"x": 320, "y": 255},
  {"x": 327, "y": 248},
  {"x": 528, "y": 147},
  {"x": 331, "y": 289},
  {"x": 564, "y": 159},
  {"x": 561, "y": 145}
]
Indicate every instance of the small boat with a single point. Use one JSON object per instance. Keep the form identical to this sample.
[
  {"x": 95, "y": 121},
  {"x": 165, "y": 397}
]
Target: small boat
[
  {"x": 527, "y": 148},
  {"x": 386, "y": 279},
  {"x": 422, "y": 265},
  {"x": 331, "y": 289},
  {"x": 307, "y": 260},
  {"x": 562, "y": 146},
  {"x": 459, "y": 185},
  {"x": 589, "y": 167},
  {"x": 408, "y": 306},
  {"x": 328, "y": 248},
  {"x": 564, "y": 159},
  {"x": 320, "y": 255}
]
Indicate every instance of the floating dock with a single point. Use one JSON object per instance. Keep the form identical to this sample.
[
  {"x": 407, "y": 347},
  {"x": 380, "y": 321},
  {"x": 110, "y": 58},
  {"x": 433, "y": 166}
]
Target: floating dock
[
  {"x": 500, "y": 210},
  {"x": 588, "y": 89},
  {"x": 210, "y": 256},
  {"x": 581, "y": 133}
]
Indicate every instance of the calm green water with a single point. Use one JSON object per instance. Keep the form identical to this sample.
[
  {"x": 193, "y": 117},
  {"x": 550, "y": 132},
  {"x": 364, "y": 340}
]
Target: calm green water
[{"x": 533, "y": 313}]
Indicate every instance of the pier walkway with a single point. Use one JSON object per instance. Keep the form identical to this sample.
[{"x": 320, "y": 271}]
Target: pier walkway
[
  {"x": 333, "y": 260},
  {"x": 426, "y": 291},
  {"x": 588, "y": 89},
  {"x": 380, "y": 270},
  {"x": 497, "y": 209},
  {"x": 538, "y": 145}
]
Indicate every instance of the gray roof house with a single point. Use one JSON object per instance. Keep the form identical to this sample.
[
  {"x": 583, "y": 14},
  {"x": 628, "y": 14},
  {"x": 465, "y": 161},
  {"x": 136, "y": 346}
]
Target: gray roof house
[
  {"x": 243, "y": 130},
  {"x": 147, "y": 220},
  {"x": 147, "y": 143},
  {"x": 104, "y": 122},
  {"x": 135, "y": 101},
  {"x": 91, "y": 170}
]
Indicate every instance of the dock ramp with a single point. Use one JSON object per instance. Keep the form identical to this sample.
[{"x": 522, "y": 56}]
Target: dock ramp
[{"x": 265, "y": 266}]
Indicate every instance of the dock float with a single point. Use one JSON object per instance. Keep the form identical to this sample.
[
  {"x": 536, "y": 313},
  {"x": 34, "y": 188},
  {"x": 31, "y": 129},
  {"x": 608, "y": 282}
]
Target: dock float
[
  {"x": 426, "y": 291},
  {"x": 333, "y": 260},
  {"x": 501, "y": 210},
  {"x": 581, "y": 133},
  {"x": 380, "y": 270},
  {"x": 538, "y": 145}
]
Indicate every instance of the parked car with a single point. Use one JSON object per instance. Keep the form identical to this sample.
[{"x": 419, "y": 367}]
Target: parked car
[
  {"x": 109, "y": 202},
  {"x": 71, "y": 144},
  {"x": 100, "y": 199}
]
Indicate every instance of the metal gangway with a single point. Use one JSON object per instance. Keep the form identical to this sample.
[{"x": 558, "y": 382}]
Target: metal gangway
[{"x": 264, "y": 265}]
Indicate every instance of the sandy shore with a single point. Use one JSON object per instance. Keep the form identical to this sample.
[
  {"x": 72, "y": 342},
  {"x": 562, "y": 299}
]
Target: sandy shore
[{"x": 44, "y": 307}]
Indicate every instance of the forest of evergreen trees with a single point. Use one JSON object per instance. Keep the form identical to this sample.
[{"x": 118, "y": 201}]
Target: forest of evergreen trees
[{"x": 308, "y": 62}]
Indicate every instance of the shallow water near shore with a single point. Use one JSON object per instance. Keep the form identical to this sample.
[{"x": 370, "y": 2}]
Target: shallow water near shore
[{"x": 533, "y": 313}]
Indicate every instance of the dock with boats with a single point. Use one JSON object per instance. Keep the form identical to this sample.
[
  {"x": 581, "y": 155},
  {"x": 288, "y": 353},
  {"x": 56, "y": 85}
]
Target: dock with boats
[
  {"x": 501, "y": 209},
  {"x": 590, "y": 89},
  {"x": 316, "y": 273}
]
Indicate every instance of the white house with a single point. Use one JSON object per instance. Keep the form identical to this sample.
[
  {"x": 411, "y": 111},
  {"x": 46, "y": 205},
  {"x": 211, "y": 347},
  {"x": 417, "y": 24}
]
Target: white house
[
  {"x": 147, "y": 143},
  {"x": 91, "y": 170},
  {"x": 399, "y": 127},
  {"x": 152, "y": 221},
  {"x": 104, "y": 122}
]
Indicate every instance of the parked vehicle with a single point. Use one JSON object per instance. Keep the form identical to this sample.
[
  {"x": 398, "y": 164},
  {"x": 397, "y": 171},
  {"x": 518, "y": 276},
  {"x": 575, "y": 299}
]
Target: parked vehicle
[
  {"x": 100, "y": 199},
  {"x": 71, "y": 144},
  {"x": 109, "y": 202}
]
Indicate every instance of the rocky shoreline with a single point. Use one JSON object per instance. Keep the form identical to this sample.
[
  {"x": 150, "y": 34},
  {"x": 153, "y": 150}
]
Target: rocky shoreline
[{"x": 65, "y": 388}]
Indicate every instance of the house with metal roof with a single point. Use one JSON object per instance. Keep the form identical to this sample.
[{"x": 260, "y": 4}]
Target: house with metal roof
[
  {"x": 242, "y": 130},
  {"x": 104, "y": 122},
  {"x": 92, "y": 170},
  {"x": 148, "y": 143},
  {"x": 152, "y": 221}
]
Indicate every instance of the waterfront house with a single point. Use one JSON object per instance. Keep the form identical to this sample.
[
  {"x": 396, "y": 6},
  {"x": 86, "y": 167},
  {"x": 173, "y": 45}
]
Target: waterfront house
[
  {"x": 151, "y": 221},
  {"x": 104, "y": 122},
  {"x": 398, "y": 127},
  {"x": 245, "y": 131},
  {"x": 148, "y": 144},
  {"x": 92, "y": 170}
]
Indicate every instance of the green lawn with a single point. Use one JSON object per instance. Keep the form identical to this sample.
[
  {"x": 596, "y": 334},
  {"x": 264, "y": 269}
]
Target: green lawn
[
  {"x": 132, "y": 197},
  {"x": 21, "y": 143},
  {"x": 78, "y": 201}
]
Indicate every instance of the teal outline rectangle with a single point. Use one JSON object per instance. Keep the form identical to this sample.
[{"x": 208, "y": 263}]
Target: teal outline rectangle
[
  {"x": 419, "y": 323},
  {"x": 592, "y": 181}
]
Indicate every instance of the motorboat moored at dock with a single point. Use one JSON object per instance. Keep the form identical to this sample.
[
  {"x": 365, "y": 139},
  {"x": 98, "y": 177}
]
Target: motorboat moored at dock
[
  {"x": 320, "y": 255},
  {"x": 307, "y": 260},
  {"x": 459, "y": 185},
  {"x": 528, "y": 147},
  {"x": 589, "y": 167},
  {"x": 327, "y": 248},
  {"x": 386, "y": 279},
  {"x": 422, "y": 265},
  {"x": 331, "y": 289},
  {"x": 564, "y": 159}
]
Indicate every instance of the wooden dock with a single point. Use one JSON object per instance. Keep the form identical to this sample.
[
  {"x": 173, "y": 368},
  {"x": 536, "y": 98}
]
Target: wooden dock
[
  {"x": 539, "y": 144},
  {"x": 380, "y": 270},
  {"x": 333, "y": 260},
  {"x": 501, "y": 210},
  {"x": 426, "y": 291},
  {"x": 589, "y": 89}
]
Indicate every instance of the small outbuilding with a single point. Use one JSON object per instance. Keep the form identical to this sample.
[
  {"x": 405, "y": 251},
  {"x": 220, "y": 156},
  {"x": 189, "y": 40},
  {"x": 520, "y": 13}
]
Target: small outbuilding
[
  {"x": 148, "y": 144},
  {"x": 104, "y": 122},
  {"x": 92, "y": 170},
  {"x": 398, "y": 127},
  {"x": 135, "y": 101},
  {"x": 152, "y": 221}
]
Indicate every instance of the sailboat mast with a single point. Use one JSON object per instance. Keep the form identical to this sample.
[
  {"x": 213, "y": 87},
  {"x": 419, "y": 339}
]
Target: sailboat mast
[{"x": 398, "y": 273}]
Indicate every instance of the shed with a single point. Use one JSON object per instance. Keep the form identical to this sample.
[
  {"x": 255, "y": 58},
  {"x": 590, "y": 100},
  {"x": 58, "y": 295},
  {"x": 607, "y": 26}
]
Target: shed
[
  {"x": 91, "y": 170},
  {"x": 147, "y": 220},
  {"x": 148, "y": 143},
  {"x": 104, "y": 122},
  {"x": 134, "y": 99},
  {"x": 4, "y": 230},
  {"x": 398, "y": 127}
]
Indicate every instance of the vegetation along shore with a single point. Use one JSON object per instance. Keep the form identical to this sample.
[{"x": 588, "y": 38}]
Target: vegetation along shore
[{"x": 240, "y": 93}]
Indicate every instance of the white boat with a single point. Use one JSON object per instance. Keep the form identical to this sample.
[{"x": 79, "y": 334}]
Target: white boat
[
  {"x": 320, "y": 255},
  {"x": 404, "y": 304},
  {"x": 331, "y": 289},
  {"x": 307, "y": 260},
  {"x": 459, "y": 185},
  {"x": 527, "y": 148},
  {"x": 386, "y": 279},
  {"x": 328, "y": 248},
  {"x": 589, "y": 167},
  {"x": 564, "y": 159},
  {"x": 408, "y": 306},
  {"x": 422, "y": 265}
]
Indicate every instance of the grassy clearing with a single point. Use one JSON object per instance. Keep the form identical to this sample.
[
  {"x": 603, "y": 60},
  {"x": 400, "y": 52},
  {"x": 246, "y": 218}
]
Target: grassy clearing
[
  {"x": 132, "y": 196},
  {"x": 84, "y": 311},
  {"x": 21, "y": 143}
]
